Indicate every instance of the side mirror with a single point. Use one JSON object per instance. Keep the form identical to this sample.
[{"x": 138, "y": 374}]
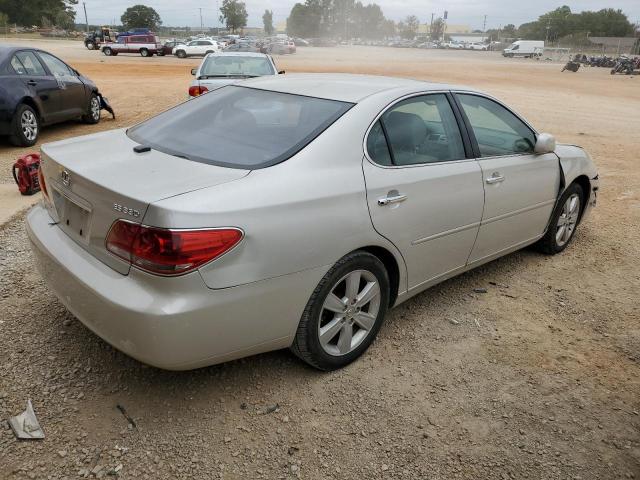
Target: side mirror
[
  {"x": 193, "y": 71},
  {"x": 281, "y": 72},
  {"x": 546, "y": 143}
]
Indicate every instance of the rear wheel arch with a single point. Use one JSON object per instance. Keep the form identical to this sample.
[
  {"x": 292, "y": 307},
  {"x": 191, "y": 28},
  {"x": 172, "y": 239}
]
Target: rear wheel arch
[
  {"x": 390, "y": 264},
  {"x": 31, "y": 102}
]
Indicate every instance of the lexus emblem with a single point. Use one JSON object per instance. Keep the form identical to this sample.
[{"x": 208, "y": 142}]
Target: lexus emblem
[{"x": 66, "y": 178}]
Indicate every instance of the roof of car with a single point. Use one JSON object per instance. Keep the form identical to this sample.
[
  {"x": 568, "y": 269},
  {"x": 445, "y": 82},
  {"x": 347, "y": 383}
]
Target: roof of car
[
  {"x": 343, "y": 87},
  {"x": 236, "y": 54}
]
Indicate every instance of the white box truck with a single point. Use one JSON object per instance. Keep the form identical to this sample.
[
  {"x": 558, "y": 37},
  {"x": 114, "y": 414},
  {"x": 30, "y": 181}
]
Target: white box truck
[{"x": 524, "y": 48}]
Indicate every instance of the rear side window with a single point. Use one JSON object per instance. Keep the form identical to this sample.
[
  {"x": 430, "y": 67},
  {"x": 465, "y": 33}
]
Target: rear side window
[
  {"x": 498, "y": 131},
  {"x": 239, "y": 127},
  {"x": 31, "y": 64},
  {"x": 418, "y": 130},
  {"x": 377, "y": 146}
]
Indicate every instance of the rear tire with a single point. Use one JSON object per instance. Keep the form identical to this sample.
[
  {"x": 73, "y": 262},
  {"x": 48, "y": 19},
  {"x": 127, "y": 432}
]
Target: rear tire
[
  {"x": 181, "y": 54},
  {"x": 345, "y": 312},
  {"x": 144, "y": 52},
  {"x": 91, "y": 46},
  {"x": 25, "y": 127},
  {"x": 564, "y": 221}
]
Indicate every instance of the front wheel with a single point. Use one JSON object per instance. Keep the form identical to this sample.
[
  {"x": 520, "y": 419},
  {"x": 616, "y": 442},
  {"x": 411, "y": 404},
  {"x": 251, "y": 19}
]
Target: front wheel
[
  {"x": 107, "y": 51},
  {"x": 564, "y": 221},
  {"x": 91, "y": 46},
  {"x": 181, "y": 54},
  {"x": 93, "y": 111},
  {"x": 344, "y": 313}
]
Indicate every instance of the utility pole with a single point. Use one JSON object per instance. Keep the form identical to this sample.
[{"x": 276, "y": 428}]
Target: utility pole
[
  {"x": 484, "y": 25},
  {"x": 84, "y": 5},
  {"x": 548, "y": 28},
  {"x": 201, "y": 27}
]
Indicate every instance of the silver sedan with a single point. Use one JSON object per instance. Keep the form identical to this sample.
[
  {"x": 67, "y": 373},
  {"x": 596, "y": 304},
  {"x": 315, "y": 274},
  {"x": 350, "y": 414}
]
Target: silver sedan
[{"x": 294, "y": 212}]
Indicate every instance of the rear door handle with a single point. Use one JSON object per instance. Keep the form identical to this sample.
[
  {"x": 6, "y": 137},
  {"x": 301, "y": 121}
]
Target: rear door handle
[
  {"x": 33, "y": 83},
  {"x": 391, "y": 199},
  {"x": 495, "y": 178}
]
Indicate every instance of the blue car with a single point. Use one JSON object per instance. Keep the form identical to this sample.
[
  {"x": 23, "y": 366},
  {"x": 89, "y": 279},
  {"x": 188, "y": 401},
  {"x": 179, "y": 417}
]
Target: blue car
[{"x": 38, "y": 89}]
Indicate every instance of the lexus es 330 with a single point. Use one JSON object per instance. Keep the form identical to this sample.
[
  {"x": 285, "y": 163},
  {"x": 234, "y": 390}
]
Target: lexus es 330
[{"x": 294, "y": 212}]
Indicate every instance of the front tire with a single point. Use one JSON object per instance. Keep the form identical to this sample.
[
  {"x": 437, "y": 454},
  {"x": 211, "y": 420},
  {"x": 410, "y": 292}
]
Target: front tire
[
  {"x": 93, "y": 110},
  {"x": 91, "y": 46},
  {"x": 564, "y": 221},
  {"x": 344, "y": 313},
  {"x": 25, "y": 127},
  {"x": 107, "y": 51},
  {"x": 181, "y": 54}
]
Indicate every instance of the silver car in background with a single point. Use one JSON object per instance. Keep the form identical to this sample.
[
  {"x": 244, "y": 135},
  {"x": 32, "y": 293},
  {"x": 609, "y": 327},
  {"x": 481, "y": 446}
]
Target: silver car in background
[
  {"x": 294, "y": 212},
  {"x": 219, "y": 69}
]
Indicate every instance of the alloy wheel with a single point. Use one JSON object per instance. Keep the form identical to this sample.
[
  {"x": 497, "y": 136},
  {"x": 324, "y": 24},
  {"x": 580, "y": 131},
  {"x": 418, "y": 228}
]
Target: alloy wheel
[
  {"x": 568, "y": 220},
  {"x": 29, "y": 124},
  {"x": 95, "y": 108},
  {"x": 349, "y": 312}
]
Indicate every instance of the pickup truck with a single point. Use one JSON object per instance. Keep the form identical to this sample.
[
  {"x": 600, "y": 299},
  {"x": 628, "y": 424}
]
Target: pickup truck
[{"x": 145, "y": 45}]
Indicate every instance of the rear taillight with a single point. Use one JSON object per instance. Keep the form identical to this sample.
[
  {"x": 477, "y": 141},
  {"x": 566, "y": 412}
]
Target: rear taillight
[
  {"x": 43, "y": 185},
  {"x": 169, "y": 252},
  {"x": 196, "y": 90}
]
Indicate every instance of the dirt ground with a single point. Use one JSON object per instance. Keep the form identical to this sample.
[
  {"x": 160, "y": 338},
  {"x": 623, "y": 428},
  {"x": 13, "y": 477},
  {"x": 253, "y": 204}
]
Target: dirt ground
[{"x": 538, "y": 378}]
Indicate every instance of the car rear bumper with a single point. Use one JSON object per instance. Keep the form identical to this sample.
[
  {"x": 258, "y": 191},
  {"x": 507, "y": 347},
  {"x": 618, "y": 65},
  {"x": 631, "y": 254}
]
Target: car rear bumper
[{"x": 172, "y": 323}]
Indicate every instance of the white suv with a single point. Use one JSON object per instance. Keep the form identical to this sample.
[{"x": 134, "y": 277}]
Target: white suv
[{"x": 196, "y": 47}]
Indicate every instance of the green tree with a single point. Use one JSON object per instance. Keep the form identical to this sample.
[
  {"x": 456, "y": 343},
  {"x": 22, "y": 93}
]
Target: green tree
[
  {"x": 31, "y": 12},
  {"x": 509, "y": 30},
  {"x": 141, "y": 16},
  {"x": 304, "y": 21},
  {"x": 437, "y": 29},
  {"x": 64, "y": 20},
  {"x": 411, "y": 25},
  {"x": 233, "y": 14},
  {"x": 267, "y": 21}
]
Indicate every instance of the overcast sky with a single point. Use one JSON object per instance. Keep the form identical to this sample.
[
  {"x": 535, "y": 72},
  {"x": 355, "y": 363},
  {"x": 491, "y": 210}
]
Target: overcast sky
[{"x": 468, "y": 12}]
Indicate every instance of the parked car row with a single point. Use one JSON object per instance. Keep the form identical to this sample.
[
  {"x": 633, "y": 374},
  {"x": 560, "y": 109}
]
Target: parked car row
[{"x": 148, "y": 44}]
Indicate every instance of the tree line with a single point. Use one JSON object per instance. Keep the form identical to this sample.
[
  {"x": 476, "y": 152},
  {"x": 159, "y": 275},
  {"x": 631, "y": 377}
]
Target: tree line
[
  {"x": 338, "y": 19},
  {"x": 562, "y": 23}
]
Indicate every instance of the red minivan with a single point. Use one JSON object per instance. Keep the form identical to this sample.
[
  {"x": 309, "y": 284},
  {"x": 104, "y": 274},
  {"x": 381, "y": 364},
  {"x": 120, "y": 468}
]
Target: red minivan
[{"x": 145, "y": 45}]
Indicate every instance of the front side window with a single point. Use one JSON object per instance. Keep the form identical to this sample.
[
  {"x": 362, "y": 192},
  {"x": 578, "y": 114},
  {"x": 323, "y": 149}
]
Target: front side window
[
  {"x": 55, "y": 65},
  {"x": 239, "y": 127},
  {"x": 421, "y": 130},
  {"x": 498, "y": 131},
  {"x": 31, "y": 64}
]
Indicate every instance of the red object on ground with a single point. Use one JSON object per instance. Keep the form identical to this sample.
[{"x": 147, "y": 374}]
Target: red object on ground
[{"x": 25, "y": 173}]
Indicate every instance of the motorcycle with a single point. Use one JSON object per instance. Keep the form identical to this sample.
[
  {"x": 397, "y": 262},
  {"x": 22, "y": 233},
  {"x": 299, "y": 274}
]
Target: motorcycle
[{"x": 624, "y": 65}]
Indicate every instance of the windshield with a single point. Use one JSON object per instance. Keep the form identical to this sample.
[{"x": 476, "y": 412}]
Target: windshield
[
  {"x": 233, "y": 66},
  {"x": 239, "y": 127}
]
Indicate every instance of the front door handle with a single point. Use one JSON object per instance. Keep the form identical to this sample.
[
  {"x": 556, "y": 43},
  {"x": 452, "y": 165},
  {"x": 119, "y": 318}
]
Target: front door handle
[
  {"x": 33, "y": 83},
  {"x": 495, "y": 178},
  {"x": 391, "y": 199}
]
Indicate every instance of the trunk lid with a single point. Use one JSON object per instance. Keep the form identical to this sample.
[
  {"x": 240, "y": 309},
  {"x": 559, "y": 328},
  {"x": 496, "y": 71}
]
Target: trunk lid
[{"x": 96, "y": 179}]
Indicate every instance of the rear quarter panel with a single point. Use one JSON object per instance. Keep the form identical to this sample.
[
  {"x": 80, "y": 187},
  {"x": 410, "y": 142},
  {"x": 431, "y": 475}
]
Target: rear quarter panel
[{"x": 306, "y": 212}]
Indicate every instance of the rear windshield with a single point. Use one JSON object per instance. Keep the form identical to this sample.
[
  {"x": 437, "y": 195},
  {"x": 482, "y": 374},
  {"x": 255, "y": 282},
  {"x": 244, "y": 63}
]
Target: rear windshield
[
  {"x": 235, "y": 65},
  {"x": 239, "y": 127}
]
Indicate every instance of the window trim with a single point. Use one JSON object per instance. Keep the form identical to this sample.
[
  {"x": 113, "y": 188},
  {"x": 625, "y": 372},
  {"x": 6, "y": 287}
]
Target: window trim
[
  {"x": 472, "y": 135},
  {"x": 466, "y": 140}
]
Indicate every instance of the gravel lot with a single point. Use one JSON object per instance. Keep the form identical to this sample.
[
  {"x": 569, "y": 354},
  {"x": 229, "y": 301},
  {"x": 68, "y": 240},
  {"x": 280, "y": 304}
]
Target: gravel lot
[{"x": 539, "y": 377}]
